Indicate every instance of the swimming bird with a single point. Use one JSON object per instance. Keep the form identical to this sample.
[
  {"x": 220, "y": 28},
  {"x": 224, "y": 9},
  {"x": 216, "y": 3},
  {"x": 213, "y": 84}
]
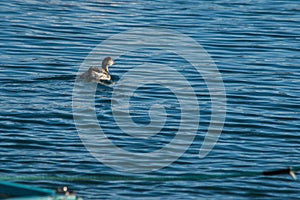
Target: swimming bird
[{"x": 96, "y": 74}]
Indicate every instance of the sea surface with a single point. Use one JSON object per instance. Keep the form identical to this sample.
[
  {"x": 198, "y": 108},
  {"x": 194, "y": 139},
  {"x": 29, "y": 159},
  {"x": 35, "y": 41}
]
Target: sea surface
[{"x": 255, "y": 46}]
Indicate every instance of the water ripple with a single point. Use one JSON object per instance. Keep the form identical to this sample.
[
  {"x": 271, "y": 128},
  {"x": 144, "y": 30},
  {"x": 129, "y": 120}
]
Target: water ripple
[{"x": 255, "y": 45}]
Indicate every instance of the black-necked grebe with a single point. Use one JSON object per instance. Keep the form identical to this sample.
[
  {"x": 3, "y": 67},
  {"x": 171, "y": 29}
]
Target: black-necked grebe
[{"x": 95, "y": 74}]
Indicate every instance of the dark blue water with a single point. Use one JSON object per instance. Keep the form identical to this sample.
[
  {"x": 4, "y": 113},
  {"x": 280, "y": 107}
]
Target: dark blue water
[{"x": 255, "y": 45}]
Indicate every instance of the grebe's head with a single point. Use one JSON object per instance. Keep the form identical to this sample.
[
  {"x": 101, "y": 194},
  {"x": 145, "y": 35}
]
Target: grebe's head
[{"x": 107, "y": 62}]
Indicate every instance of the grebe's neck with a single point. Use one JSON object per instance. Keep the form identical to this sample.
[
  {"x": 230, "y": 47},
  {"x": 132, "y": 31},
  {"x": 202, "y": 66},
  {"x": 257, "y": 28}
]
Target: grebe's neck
[{"x": 105, "y": 67}]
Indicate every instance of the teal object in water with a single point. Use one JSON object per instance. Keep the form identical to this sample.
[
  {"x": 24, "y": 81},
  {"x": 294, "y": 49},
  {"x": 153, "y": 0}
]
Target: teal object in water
[{"x": 16, "y": 191}]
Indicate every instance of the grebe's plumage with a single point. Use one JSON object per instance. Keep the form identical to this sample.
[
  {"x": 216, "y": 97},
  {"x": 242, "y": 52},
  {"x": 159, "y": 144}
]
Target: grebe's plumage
[{"x": 95, "y": 74}]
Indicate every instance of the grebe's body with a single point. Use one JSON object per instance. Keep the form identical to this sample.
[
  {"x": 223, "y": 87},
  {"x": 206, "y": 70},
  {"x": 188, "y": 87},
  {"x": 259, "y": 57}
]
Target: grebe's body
[{"x": 95, "y": 74}]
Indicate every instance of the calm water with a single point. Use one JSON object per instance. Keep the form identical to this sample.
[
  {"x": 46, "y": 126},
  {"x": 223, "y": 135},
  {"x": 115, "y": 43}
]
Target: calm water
[{"x": 255, "y": 45}]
